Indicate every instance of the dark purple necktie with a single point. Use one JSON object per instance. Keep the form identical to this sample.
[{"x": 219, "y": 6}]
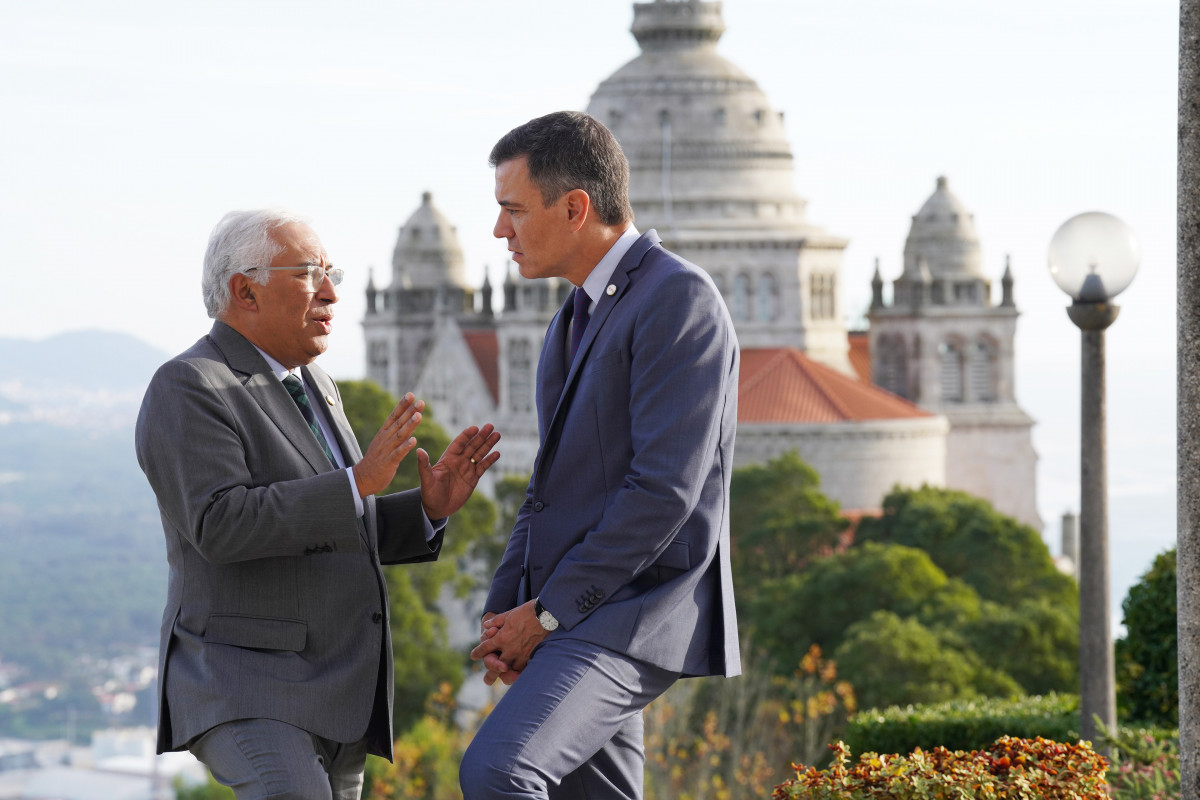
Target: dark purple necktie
[{"x": 579, "y": 319}]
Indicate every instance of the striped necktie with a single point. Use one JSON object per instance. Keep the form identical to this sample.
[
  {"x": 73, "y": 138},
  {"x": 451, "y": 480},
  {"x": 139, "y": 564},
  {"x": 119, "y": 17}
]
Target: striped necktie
[{"x": 296, "y": 389}]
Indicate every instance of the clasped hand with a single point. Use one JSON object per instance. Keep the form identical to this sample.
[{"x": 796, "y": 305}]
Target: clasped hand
[
  {"x": 446, "y": 485},
  {"x": 506, "y": 643}
]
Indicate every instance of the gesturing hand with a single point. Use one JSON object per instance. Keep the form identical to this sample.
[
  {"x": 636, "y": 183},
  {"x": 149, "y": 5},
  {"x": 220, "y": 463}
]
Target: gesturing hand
[
  {"x": 446, "y": 485},
  {"x": 391, "y": 444}
]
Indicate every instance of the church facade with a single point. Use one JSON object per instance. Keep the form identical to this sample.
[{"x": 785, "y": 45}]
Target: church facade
[{"x": 712, "y": 172}]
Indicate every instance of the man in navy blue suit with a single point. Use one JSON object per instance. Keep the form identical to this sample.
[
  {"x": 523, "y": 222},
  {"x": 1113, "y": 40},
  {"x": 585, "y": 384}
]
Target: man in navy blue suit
[{"x": 616, "y": 579}]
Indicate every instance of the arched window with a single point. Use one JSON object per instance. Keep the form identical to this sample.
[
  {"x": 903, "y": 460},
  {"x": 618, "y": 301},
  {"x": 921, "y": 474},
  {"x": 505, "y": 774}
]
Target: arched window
[
  {"x": 950, "y": 359},
  {"x": 767, "y": 299},
  {"x": 520, "y": 376},
  {"x": 740, "y": 308},
  {"x": 821, "y": 292},
  {"x": 981, "y": 370},
  {"x": 892, "y": 365}
]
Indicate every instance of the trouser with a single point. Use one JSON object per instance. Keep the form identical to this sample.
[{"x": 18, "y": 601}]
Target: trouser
[
  {"x": 261, "y": 758},
  {"x": 569, "y": 728}
]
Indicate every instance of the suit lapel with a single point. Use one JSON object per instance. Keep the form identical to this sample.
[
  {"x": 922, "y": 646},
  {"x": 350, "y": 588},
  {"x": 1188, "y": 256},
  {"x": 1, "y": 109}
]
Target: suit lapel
[
  {"x": 266, "y": 389},
  {"x": 619, "y": 285},
  {"x": 330, "y": 405}
]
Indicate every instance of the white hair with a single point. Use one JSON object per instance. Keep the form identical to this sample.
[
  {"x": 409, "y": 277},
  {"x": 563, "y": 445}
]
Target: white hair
[{"x": 240, "y": 241}]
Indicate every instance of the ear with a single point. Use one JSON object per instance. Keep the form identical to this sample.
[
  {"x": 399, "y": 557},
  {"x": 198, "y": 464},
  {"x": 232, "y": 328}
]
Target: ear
[
  {"x": 579, "y": 206},
  {"x": 242, "y": 292}
]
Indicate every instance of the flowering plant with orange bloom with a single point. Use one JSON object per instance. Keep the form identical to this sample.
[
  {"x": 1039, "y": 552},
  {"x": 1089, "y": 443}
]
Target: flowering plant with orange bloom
[{"x": 1010, "y": 769}]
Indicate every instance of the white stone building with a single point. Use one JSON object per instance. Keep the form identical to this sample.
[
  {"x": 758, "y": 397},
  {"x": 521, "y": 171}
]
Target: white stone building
[
  {"x": 712, "y": 172},
  {"x": 943, "y": 344}
]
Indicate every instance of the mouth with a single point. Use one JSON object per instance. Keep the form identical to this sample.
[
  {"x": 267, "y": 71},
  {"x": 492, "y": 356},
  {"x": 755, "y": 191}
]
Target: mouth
[{"x": 326, "y": 323}]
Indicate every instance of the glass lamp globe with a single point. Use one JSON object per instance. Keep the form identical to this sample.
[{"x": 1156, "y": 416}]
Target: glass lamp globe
[{"x": 1093, "y": 257}]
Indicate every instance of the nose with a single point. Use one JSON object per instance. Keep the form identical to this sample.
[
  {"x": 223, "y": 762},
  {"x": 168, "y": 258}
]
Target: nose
[
  {"x": 327, "y": 292},
  {"x": 503, "y": 228}
]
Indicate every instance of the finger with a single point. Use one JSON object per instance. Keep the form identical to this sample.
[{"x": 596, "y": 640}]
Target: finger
[
  {"x": 423, "y": 465},
  {"x": 459, "y": 444},
  {"x": 482, "y": 444},
  {"x": 407, "y": 422},
  {"x": 405, "y": 405},
  {"x": 483, "y": 650},
  {"x": 509, "y": 677},
  {"x": 405, "y": 447}
]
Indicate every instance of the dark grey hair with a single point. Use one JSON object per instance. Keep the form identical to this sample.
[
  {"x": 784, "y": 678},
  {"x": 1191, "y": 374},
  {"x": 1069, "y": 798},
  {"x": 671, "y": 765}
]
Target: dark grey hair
[
  {"x": 241, "y": 240},
  {"x": 570, "y": 150}
]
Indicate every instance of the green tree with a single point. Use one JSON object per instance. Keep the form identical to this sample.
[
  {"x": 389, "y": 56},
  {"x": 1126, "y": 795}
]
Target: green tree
[
  {"x": 423, "y": 657},
  {"x": 818, "y": 605},
  {"x": 778, "y": 521},
  {"x": 1036, "y": 642},
  {"x": 896, "y": 661},
  {"x": 1002, "y": 559},
  {"x": 1147, "y": 656}
]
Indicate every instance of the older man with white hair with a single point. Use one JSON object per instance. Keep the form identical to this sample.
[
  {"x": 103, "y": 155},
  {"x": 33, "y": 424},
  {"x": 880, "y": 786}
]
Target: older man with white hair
[{"x": 275, "y": 666}]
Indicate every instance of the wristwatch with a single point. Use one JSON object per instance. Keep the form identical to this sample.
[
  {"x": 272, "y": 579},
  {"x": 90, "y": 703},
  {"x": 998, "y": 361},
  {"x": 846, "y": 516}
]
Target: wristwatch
[{"x": 544, "y": 617}]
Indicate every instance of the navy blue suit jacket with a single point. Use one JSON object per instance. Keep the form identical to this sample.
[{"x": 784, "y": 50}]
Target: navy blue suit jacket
[{"x": 624, "y": 532}]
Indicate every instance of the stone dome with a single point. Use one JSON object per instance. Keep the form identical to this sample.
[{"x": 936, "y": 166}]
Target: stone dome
[
  {"x": 428, "y": 253},
  {"x": 943, "y": 238},
  {"x": 705, "y": 149}
]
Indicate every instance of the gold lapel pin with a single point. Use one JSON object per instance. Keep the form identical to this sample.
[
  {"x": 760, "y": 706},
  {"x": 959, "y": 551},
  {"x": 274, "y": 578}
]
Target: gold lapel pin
[{"x": 329, "y": 399}]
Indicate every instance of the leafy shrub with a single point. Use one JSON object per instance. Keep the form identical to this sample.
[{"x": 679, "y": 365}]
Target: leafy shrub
[
  {"x": 1018, "y": 769},
  {"x": 964, "y": 724}
]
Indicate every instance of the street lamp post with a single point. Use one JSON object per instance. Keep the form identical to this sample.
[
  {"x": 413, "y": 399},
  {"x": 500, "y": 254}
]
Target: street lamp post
[{"x": 1093, "y": 257}]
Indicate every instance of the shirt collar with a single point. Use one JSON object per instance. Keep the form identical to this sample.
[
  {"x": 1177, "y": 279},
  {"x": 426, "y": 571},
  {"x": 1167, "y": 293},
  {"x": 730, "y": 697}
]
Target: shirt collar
[
  {"x": 595, "y": 282},
  {"x": 280, "y": 370}
]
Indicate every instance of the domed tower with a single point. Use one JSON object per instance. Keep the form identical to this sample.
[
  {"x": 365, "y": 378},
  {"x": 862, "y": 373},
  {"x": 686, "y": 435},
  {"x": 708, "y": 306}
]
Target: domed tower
[
  {"x": 428, "y": 287},
  {"x": 943, "y": 344},
  {"x": 711, "y": 170}
]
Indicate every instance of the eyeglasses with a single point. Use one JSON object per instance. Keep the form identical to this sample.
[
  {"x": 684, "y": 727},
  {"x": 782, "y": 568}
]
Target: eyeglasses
[{"x": 315, "y": 274}]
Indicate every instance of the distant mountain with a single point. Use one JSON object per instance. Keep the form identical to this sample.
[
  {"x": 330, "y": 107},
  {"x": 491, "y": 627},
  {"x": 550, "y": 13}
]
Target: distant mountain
[
  {"x": 89, "y": 379},
  {"x": 84, "y": 570}
]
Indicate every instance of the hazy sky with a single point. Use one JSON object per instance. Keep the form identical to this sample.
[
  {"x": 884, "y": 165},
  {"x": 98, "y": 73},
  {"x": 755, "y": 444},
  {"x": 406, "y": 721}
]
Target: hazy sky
[{"x": 128, "y": 128}]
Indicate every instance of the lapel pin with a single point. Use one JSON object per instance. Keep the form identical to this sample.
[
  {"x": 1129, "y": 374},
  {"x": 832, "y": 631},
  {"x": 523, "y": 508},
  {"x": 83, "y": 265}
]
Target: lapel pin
[
  {"x": 611, "y": 290},
  {"x": 329, "y": 399}
]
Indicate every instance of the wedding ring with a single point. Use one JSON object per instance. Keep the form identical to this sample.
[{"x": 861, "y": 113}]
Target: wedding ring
[{"x": 472, "y": 459}]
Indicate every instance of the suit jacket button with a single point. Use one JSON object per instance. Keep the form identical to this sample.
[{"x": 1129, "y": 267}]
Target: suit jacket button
[
  {"x": 538, "y": 506},
  {"x": 377, "y": 617}
]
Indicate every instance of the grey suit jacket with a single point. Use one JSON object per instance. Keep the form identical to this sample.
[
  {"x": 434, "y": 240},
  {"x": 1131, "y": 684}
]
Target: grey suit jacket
[
  {"x": 624, "y": 532},
  {"x": 276, "y": 603}
]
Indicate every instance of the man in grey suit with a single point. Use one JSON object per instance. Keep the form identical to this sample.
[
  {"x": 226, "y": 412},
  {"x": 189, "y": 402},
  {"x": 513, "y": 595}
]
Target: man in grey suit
[
  {"x": 616, "y": 579},
  {"x": 275, "y": 666}
]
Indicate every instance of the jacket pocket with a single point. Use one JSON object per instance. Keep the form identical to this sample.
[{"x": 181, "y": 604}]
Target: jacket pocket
[
  {"x": 261, "y": 633},
  {"x": 678, "y": 555}
]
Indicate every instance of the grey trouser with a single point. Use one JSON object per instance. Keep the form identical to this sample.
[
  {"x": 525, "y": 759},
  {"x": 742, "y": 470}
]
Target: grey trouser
[{"x": 260, "y": 758}]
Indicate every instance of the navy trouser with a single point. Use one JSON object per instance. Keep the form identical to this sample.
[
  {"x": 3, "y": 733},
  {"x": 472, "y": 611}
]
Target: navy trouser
[{"x": 570, "y": 727}]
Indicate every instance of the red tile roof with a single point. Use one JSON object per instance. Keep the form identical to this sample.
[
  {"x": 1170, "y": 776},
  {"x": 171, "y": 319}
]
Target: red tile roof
[
  {"x": 860, "y": 354},
  {"x": 783, "y": 385},
  {"x": 485, "y": 349}
]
